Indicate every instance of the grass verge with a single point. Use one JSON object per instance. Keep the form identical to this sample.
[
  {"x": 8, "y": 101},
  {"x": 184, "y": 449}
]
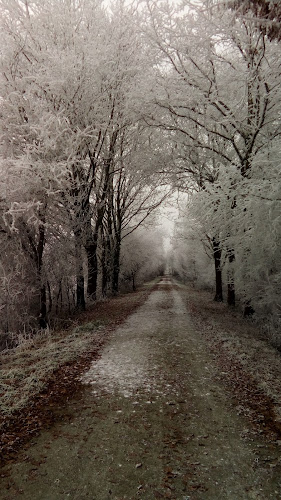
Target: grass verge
[
  {"x": 248, "y": 364},
  {"x": 40, "y": 375}
]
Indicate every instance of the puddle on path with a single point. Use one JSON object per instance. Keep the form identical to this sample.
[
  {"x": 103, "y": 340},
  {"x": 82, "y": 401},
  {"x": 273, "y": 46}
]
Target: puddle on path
[{"x": 152, "y": 423}]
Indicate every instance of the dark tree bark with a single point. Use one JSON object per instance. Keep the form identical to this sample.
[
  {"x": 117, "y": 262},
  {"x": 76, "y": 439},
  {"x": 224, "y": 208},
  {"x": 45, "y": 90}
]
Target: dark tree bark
[
  {"x": 80, "y": 282},
  {"x": 91, "y": 250},
  {"x": 218, "y": 271},
  {"x": 116, "y": 265},
  {"x": 267, "y": 13},
  {"x": 92, "y": 237},
  {"x": 248, "y": 309},
  {"x": 43, "y": 321},
  {"x": 58, "y": 297},
  {"x": 80, "y": 293},
  {"x": 50, "y": 299},
  {"x": 105, "y": 261},
  {"x": 104, "y": 278},
  {"x": 230, "y": 281}
]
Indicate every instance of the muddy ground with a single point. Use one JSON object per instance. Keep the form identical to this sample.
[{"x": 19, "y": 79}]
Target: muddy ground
[{"x": 153, "y": 419}]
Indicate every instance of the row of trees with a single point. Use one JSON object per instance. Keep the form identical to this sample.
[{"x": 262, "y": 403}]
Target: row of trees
[
  {"x": 101, "y": 110},
  {"x": 218, "y": 98},
  {"x": 74, "y": 154}
]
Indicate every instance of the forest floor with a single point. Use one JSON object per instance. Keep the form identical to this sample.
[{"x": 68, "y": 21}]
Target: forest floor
[{"x": 179, "y": 399}]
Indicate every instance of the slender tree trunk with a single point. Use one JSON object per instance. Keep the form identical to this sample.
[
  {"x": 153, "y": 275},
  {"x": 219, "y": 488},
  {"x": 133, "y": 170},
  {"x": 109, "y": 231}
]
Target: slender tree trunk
[
  {"x": 43, "y": 307},
  {"x": 91, "y": 250},
  {"x": 92, "y": 259},
  {"x": 43, "y": 320},
  {"x": 116, "y": 265},
  {"x": 68, "y": 296},
  {"x": 106, "y": 260},
  {"x": 58, "y": 298},
  {"x": 218, "y": 272},
  {"x": 248, "y": 309},
  {"x": 230, "y": 275},
  {"x": 92, "y": 245},
  {"x": 104, "y": 270},
  {"x": 50, "y": 300},
  {"x": 80, "y": 292},
  {"x": 230, "y": 283},
  {"x": 80, "y": 282}
]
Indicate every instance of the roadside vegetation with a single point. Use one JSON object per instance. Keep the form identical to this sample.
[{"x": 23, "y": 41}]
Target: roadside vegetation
[
  {"x": 248, "y": 364},
  {"x": 49, "y": 364}
]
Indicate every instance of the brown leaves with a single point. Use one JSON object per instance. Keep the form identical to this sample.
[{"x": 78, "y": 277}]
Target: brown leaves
[{"x": 64, "y": 383}]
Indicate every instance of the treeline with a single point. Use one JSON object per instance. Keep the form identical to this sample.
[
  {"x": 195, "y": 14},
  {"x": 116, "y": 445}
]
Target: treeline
[
  {"x": 101, "y": 110},
  {"x": 218, "y": 99},
  {"x": 78, "y": 165}
]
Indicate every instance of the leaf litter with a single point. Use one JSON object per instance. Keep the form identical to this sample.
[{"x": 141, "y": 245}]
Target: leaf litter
[{"x": 184, "y": 430}]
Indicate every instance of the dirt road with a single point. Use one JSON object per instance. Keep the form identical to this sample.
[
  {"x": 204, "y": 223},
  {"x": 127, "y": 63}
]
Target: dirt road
[{"x": 152, "y": 422}]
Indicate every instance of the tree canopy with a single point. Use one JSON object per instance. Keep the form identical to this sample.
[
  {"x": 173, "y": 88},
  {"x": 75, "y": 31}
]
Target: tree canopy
[{"x": 104, "y": 112}]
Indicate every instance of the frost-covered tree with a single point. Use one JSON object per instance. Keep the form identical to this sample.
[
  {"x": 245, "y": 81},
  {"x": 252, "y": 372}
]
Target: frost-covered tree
[
  {"x": 217, "y": 93},
  {"x": 137, "y": 190},
  {"x": 47, "y": 92},
  {"x": 191, "y": 252},
  {"x": 267, "y": 14},
  {"x": 142, "y": 257},
  {"x": 70, "y": 72}
]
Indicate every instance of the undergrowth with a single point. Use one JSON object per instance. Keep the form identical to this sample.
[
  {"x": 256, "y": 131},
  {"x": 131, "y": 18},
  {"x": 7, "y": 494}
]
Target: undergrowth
[
  {"x": 240, "y": 340},
  {"x": 25, "y": 369}
]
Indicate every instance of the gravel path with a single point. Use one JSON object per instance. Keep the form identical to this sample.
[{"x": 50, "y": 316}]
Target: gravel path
[{"x": 152, "y": 422}]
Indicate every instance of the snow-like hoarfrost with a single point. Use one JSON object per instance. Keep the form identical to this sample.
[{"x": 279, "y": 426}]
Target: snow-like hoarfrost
[
  {"x": 122, "y": 366},
  {"x": 130, "y": 364}
]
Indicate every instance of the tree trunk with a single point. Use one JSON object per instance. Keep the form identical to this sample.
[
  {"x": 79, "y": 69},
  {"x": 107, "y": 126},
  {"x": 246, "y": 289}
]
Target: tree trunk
[
  {"x": 104, "y": 280},
  {"x": 218, "y": 271},
  {"x": 248, "y": 309},
  {"x": 43, "y": 323},
  {"x": 116, "y": 266},
  {"x": 92, "y": 259},
  {"x": 92, "y": 244},
  {"x": 231, "y": 293},
  {"x": 80, "y": 282},
  {"x": 80, "y": 293},
  {"x": 43, "y": 320},
  {"x": 58, "y": 297},
  {"x": 50, "y": 300},
  {"x": 230, "y": 284},
  {"x": 91, "y": 250}
]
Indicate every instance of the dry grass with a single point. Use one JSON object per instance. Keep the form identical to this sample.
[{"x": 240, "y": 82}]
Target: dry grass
[
  {"x": 240, "y": 341},
  {"x": 27, "y": 369}
]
